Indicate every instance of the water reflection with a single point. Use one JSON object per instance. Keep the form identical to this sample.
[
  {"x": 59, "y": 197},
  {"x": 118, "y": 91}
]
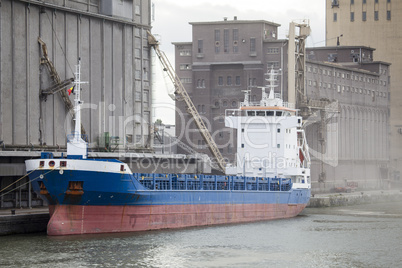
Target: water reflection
[{"x": 360, "y": 236}]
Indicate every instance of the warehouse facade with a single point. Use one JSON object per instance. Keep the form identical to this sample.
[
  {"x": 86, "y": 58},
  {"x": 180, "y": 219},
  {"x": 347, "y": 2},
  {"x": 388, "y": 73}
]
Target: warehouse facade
[{"x": 110, "y": 38}]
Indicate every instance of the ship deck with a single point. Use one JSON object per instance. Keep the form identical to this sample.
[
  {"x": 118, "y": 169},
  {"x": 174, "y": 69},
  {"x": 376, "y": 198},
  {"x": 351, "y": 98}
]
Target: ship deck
[{"x": 194, "y": 182}]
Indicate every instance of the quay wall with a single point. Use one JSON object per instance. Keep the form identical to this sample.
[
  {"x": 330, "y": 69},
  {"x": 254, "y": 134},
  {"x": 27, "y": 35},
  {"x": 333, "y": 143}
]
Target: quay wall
[
  {"x": 356, "y": 198},
  {"x": 23, "y": 224}
]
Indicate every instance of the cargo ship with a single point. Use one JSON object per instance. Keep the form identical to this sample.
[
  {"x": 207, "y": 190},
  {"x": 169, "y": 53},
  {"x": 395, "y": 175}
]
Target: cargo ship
[{"x": 270, "y": 179}]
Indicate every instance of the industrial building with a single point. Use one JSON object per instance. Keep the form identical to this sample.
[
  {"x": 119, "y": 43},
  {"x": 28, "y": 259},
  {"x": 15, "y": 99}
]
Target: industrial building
[
  {"x": 225, "y": 58},
  {"x": 348, "y": 140},
  {"x": 376, "y": 24},
  {"x": 345, "y": 99},
  {"x": 41, "y": 42}
]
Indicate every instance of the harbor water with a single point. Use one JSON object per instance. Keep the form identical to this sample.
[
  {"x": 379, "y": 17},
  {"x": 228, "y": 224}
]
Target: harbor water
[{"x": 352, "y": 236}]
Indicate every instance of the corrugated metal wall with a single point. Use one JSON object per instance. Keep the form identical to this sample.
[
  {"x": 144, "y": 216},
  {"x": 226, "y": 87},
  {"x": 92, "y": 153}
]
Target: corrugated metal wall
[{"x": 115, "y": 61}]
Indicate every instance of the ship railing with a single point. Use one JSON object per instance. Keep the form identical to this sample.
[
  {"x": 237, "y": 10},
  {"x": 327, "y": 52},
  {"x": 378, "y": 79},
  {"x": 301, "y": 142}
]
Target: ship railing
[
  {"x": 285, "y": 104},
  {"x": 193, "y": 182},
  {"x": 289, "y": 105}
]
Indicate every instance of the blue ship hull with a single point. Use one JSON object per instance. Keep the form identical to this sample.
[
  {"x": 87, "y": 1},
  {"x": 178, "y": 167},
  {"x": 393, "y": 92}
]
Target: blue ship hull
[{"x": 89, "y": 201}]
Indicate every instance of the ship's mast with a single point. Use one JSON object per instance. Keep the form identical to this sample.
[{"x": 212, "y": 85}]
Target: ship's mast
[
  {"x": 77, "y": 101},
  {"x": 269, "y": 99},
  {"x": 76, "y": 146}
]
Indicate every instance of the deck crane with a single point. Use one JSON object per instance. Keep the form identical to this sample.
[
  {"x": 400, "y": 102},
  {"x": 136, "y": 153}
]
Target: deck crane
[{"x": 181, "y": 91}]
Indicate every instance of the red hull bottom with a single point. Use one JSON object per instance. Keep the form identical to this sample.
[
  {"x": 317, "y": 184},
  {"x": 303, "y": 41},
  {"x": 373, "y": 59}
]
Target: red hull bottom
[{"x": 71, "y": 219}]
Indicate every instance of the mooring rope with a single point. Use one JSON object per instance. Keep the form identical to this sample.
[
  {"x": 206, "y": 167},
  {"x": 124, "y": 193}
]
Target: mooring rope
[{"x": 24, "y": 183}]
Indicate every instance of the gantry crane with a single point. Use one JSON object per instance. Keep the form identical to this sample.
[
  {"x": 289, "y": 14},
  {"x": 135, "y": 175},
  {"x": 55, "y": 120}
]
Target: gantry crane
[{"x": 181, "y": 91}]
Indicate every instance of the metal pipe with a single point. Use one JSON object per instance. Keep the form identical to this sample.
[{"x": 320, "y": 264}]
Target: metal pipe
[{"x": 31, "y": 147}]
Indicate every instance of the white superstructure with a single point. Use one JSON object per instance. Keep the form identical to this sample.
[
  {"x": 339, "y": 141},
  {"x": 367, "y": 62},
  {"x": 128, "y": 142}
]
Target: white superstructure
[{"x": 270, "y": 139}]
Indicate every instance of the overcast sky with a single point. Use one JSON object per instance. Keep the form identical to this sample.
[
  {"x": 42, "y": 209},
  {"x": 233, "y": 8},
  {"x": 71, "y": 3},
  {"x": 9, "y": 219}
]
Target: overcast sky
[{"x": 172, "y": 17}]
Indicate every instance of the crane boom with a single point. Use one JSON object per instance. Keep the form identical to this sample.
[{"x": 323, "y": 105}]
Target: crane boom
[{"x": 181, "y": 91}]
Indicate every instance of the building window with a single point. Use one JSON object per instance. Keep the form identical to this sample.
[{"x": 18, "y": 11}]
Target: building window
[
  {"x": 364, "y": 1},
  {"x": 273, "y": 50},
  {"x": 375, "y": 15},
  {"x": 186, "y": 80},
  {"x": 217, "y": 35},
  {"x": 220, "y": 81},
  {"x": 137, "y": 10},
  {"x": 273, "y": 64},
  {"x": 146, "y": 96},
  {"x": 364, "y": 16},
  {"x": 229, "y": 80},
  {"x": 352, "y": 2},
  {"x": 235, "y": 49},
  {"x": 376, "y": 1},
  {"x": 200, "y": 83},
  {"x": 352, "y": 16},
  {"x": 252, "y": 45},
  {"x": 235, "y": 40},
  {"x": 335, "y": 16},
  {"x": 237, "y": 80},
  {"x": 217, "y": 48},
  {"x": 235, "y": 34},
  {"x": 137, "y": 96},
  {"x": 200, "y": 46},
  {"x": 234, "y": 104},
  {"x": 185, "y": 66},
  {"x": 185, "y": 52},
  {"x": 226, "y": 40},
  {"x": 388, "y": 14}
]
